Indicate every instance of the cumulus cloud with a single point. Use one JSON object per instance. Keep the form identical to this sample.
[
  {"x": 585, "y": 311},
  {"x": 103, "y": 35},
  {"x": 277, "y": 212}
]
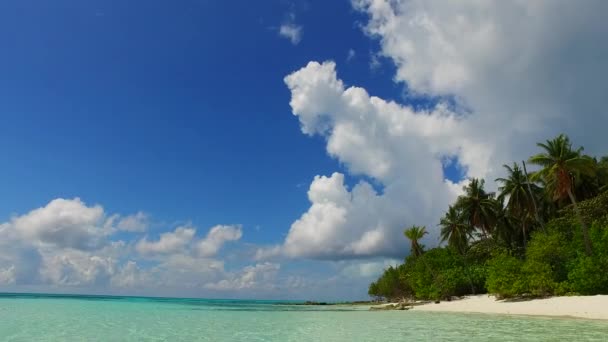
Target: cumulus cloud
[
  {"x": 518, "y": 89},
  {"x": 259, "y": 276},
  {"x": 63, "y": 223},
  {"x": 76, "y": 268},
  {"x": 170, "y": 242},
  {"x": 182, "y": 240},
  {"x": 136, "y": 223},
  {"x": 7, "y": 275},
  {"x": 130, "y": 275},
  {"x": 498, "y": 94},
  {"x": 215, "y": 239},
  {"x": 68, "y": 244},
  {"x": 370, "y": 269},
  {"x": 396, "y": 145}
]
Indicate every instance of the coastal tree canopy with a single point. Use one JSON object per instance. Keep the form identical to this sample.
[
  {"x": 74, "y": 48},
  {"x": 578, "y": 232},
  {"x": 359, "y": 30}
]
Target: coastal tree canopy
[{"x": 534, "y": 238}]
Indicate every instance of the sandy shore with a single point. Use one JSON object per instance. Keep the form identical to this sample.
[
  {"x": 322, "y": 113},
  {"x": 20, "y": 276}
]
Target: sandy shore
[{"x": 590, "y": 307}]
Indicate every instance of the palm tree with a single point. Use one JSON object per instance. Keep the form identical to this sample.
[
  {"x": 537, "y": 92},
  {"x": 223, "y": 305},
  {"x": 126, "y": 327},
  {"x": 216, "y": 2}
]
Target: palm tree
[
  {"x": 478, "y": 206},
  {"x": 591, "y": 185},
  {"x": 561, "y": 168},
  {"x": 505, "y": 222},
  {"x": 454, "y": 229},
  {"x": 520, "y": 194},
  {"x": 415, "y": 233},
  {"x": 456, "y": 232}
]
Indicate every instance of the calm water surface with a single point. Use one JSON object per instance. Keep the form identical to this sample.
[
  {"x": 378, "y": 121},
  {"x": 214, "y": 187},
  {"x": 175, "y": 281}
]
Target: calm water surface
[{"x": 100, "y": 318}]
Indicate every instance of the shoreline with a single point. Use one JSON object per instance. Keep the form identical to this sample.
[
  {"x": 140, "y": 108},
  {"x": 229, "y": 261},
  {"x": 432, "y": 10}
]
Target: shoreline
[{"x": 574, "y": 307}]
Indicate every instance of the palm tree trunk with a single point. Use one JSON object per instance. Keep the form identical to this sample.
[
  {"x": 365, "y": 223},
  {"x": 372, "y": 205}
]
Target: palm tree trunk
[
  {"x": 588, "y": 247},
  {"x": 523, "y": 228},
  {"x": 540, "y": 221},
  {"x": 466, "y": 270}
]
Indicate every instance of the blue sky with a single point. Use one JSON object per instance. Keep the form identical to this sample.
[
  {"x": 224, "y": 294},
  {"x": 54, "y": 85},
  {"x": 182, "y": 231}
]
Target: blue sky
[
  {"x": 177, "y": 109},
  {"x": 181, "y": 111}
]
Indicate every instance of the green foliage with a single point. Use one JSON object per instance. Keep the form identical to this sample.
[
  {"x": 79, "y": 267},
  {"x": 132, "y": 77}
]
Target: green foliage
[
  {"x": 591, "y": 210},
  {"x": 391, "y": 284},
  {"x": 439, "y": 273},
  {"x": 529, "y": 241},
  {"x": 561, "y": 166},
  {"x": 588, "y": 275},
  {"x": 551, "y": 249},
  {"x": 477, "y": 206},
  {"x": 504, "y": 276},
  {"x": 414, "y": 234},
  {"x": 537, "y": 279},
  {"x": 555, "y": 264},
  {"x": 454, "y": 229}
]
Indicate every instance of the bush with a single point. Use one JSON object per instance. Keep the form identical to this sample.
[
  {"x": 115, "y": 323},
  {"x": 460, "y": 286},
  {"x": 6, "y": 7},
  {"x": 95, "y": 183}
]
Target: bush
[
  {"x": 504, "y": 276},
  {"x": 551, "y": 250},
  {"x": 390, "y": 285},
  {"x": 589, "y": 275},
  {"x": 537, "y": 279}
]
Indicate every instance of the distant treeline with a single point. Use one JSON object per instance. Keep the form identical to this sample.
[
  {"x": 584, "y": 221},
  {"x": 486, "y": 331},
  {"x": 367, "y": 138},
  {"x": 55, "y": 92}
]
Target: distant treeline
[{"x": 543, "y": 233}]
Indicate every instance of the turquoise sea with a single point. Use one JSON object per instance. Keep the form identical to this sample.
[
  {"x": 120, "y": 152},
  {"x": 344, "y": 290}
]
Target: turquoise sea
[{"x": 29, "y": 317}]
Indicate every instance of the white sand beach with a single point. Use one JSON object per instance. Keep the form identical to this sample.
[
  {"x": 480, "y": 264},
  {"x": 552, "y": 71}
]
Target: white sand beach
[{"x": 590, "y": 307}]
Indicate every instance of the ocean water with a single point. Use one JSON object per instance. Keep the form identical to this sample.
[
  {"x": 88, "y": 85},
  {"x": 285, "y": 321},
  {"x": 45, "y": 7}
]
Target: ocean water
[{"x": 102, "y": 318}]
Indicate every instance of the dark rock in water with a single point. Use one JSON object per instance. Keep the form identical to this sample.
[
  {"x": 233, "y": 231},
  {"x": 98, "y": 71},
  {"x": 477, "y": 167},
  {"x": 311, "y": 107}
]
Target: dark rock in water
[{"x": 314, "y": 303}]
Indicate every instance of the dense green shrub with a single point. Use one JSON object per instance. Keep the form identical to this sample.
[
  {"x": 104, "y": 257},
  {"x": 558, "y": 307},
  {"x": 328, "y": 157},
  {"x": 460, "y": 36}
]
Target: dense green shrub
[
  {"x": 553, "y": 250},
  {"x": 390, "y": 285},
  {"x": 537, "y": 279},
  {"x": 505, "y": 276},
  {"x": 589, "y": 275}
]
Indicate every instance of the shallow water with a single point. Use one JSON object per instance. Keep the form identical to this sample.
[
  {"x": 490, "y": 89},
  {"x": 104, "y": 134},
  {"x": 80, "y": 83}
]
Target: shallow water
[{"x": 101, "y": 318}]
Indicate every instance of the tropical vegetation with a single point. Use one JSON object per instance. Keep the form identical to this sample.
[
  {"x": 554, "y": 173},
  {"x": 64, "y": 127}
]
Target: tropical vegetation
[{"x": 542, "y": 233}]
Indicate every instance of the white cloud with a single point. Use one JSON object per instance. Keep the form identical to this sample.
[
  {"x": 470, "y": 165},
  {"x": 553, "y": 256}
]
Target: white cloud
[
  {"x": 130, "y": 275},
  {"x": 170, "y": 242},
  {"x": 371, "y": 269},
  {"x": 182, "y": 240},
  {"x": 183, "y": 271},
  {"x": 215, "y": 239},
  {"x": 63, "y": 223},
  {"x": 290, "y": 30},
  {"x": 133, "y": 223},
  {"x": 7, "y": 275},
  {"x": 68, "y": 244},
  {"x": 76, "y": 268},
  {"x": 517, "y": 91},
  {"x": 260, "y": 276},
  {"x": 399, "y": 147}
]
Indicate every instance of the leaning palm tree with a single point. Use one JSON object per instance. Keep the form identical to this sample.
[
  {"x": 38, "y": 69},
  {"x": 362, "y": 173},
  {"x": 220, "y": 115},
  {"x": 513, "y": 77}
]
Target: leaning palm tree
[
  {"x": 521, "y": 196},
  {"x": 478, "y": 206},
  {"x": 561, "y": 168},
  {"x": 415, "y": 234}
]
